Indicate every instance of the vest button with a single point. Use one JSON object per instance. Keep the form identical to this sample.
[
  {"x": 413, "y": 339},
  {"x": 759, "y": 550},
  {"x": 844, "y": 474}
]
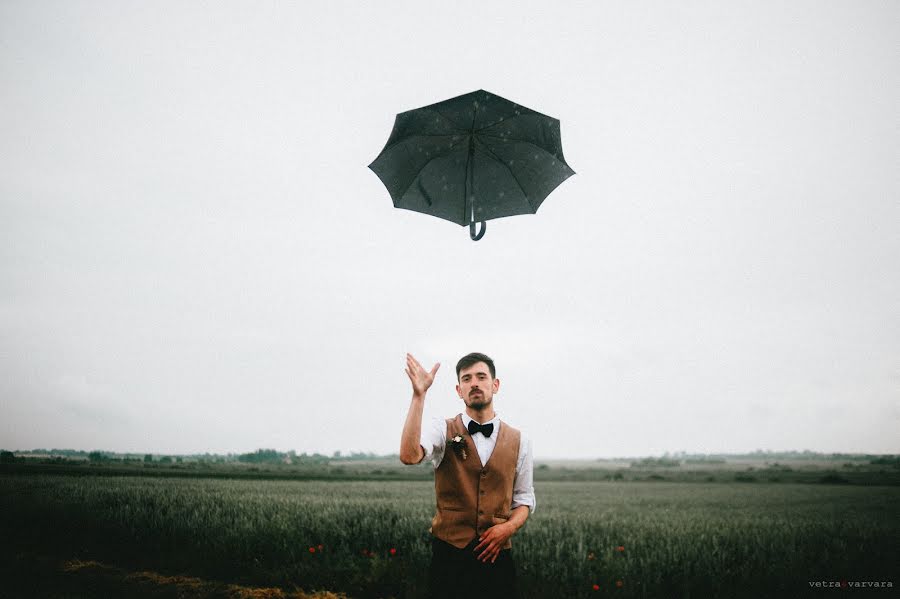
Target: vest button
[
  {"x": 480, "y": 513},
  {"x": 482, "y": 491}
]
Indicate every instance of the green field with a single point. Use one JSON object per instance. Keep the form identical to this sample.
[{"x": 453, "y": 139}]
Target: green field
[{"x": 655, "y": 539}]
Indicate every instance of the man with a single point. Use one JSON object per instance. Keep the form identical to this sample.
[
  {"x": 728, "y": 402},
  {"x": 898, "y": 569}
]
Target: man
[{"x": 483, "y": 481}]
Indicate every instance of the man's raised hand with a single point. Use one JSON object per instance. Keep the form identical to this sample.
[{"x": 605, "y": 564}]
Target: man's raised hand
[{"x": 420, "y": 378}]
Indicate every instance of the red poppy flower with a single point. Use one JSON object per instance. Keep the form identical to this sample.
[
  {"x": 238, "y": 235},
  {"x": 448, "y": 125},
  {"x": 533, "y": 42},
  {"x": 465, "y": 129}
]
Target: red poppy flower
[
  {"x": 619, "y": 583},
  {"x": 596, "y": 587},
  {"x": 393, "y": 551},
  {"x": 320, "y": 548},
  {"x": 620, "y": 548},
  {"x": 312, "y": 549}
]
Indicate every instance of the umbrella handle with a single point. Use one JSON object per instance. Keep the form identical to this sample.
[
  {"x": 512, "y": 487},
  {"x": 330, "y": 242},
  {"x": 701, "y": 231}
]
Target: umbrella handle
[{"x": 480, "y": 233}]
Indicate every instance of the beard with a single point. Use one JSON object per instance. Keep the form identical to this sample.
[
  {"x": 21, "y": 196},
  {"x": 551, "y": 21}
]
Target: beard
[{"x": 479, "y": 402}]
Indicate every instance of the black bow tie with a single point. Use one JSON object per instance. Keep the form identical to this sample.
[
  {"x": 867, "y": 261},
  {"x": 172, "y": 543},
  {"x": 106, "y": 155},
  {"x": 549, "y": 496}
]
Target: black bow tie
[{"x": 484, "y": 429}]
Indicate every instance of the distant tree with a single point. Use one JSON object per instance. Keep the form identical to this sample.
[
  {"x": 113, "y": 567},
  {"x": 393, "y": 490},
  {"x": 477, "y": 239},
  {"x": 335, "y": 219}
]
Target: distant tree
[
  {"x": 165, "y": 460},
  {"x": 96, "y": 456},
  {"x": 148, "y": 457},
  {"x": 261, "y": 455},
  {"x": 7, "y": 457},
  {"x": 178, "y": 459},
  {"x": 702, "y": 459},
  {"x": 655, "y": 462}
]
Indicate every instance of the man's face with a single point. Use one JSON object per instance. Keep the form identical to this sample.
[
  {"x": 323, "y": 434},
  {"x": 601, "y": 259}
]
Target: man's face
[{"x": 476, "y": 387}]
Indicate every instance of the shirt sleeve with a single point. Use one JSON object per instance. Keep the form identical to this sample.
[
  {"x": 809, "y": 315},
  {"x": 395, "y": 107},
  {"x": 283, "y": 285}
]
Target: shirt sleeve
[
  {"x": 523, "y": 486},
  {"x": 433, "y": 440}
]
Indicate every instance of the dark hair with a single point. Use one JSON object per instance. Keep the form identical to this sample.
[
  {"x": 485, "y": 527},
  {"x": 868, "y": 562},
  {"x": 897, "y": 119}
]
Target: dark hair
[{"x": 475, "y": 358}]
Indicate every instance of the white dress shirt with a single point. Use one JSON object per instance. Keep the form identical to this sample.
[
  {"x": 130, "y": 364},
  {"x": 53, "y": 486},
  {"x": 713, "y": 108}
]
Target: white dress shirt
[{"x": 434, "y": 442}]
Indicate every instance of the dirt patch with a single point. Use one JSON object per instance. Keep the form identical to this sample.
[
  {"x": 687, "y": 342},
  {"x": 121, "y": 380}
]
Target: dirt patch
[{"x": 86, "y": 579}]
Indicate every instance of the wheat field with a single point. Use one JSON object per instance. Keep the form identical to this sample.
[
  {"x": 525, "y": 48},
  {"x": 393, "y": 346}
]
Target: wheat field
[{"x": 370, "y": 539}]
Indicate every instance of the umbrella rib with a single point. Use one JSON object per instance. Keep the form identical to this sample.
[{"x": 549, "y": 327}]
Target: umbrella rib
[
  {"x": 419, "y": 172},
  {"x": 446, "y": 118},
  {"x": 530, "y": 143},
  {"x": 408, "y": 137},
  {"x": 508, "y": 118},
  {"x": 513, "y": 175}
]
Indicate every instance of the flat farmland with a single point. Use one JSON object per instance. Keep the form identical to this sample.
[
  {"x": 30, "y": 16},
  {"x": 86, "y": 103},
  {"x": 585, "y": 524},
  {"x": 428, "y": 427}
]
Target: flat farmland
[{"x": 370, "y": 538}]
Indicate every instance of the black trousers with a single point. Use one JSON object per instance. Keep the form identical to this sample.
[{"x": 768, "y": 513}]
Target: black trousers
[{"x": 456, "y": 572}]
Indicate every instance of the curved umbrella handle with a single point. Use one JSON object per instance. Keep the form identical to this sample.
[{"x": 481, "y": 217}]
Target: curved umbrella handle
[{"x": 480, "y": 233}]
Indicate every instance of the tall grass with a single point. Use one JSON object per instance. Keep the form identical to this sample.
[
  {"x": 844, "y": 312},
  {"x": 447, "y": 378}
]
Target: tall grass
[{"x": 628, "y": 539}]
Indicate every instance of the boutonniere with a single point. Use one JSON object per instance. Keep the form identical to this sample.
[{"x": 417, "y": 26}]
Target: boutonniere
[{"x": 459, "y": 446}]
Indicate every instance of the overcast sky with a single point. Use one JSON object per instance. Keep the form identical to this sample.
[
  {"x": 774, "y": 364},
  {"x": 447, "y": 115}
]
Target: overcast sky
[{"x": 195, "y": 257}]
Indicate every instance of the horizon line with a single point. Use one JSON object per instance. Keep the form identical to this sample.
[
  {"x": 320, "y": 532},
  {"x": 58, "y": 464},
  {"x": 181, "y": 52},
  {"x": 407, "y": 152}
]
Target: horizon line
[{"x": 341, "y": 454}]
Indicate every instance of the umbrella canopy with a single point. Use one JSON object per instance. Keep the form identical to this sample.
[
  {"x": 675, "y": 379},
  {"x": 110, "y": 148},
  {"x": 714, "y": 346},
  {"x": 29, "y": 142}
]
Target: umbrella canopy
[{"x": 471, "y": 159}]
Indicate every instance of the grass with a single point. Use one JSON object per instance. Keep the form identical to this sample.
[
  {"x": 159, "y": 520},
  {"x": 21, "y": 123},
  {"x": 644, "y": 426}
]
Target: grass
[{"x": 630, "y": 539}]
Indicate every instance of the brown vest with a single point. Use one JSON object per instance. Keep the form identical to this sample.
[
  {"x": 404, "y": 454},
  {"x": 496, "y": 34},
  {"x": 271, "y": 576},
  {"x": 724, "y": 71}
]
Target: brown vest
[{"x": 472, "y": 497}]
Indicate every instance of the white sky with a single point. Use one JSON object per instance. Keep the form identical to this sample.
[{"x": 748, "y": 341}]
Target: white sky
[{"x": 195, "y": 257}]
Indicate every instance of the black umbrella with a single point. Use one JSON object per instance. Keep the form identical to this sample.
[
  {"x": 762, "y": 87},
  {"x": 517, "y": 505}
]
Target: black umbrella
[{"x": 472, "y": 158}]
